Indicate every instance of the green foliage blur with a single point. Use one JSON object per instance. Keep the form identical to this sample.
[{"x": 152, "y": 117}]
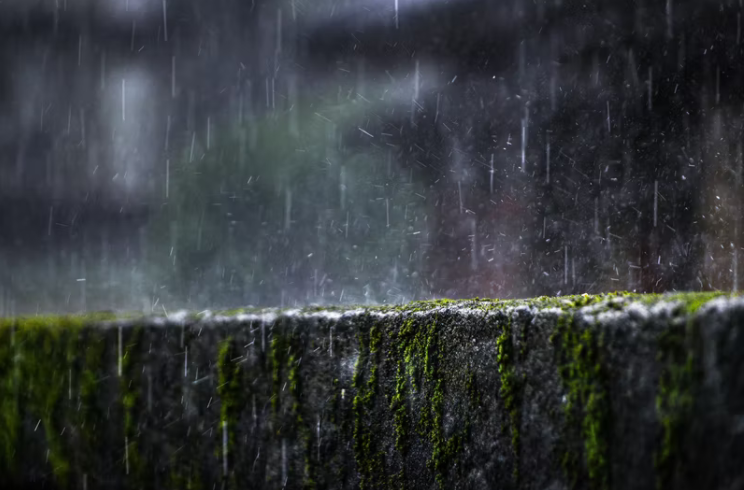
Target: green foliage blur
[{"x": 281, "y": 205}]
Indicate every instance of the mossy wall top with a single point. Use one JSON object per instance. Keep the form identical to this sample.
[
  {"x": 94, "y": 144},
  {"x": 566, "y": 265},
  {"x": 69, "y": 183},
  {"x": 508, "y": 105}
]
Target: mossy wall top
[{"x": 594, "y": 392}]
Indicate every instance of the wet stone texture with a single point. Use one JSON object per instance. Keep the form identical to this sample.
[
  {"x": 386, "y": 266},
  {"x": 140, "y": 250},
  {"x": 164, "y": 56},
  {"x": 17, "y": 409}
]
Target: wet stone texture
[{"x": 594, "y": 392}]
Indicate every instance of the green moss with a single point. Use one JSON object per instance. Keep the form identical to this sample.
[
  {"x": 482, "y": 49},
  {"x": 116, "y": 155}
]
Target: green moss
[
  {"x": 130, "y": 383},
  {"x": 444, "y": 451},
  {"x": 297, "y": 423},
  {"x": 279, "y": 349},
  {"x": 10, "y": 414},
  {"x": 286, "y": 355},
  {"x": 45, "y": 351},
  {"x": 184, "y": 477},
  {"x": 39, "y": 364},
  {"x": 399, "y": 407},
  {"x": 679, "y": 378},
  {"x": 510, "y": 390},
  {"x": 369, "y": 458},
  {"x": 231, "y": 392},
  {"x": 90, "y": 415},
  {"x": 61, "y": 354},
  {"x": 586, "y": 408},
  {"x": 474, "y": 395},
  {"x": 410, "y": 343}
]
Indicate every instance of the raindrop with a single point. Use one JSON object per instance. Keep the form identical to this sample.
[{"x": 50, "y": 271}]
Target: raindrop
[
  {"x": 284, "y": 461},
  {"x": 224, "y": 447},
  {"x": 173, "y": 76},
  {"x": 491, "y": 172},
  {"x": 209, "y": 132},
  {"x": 165, "y": 21},
  {"x": 119, "y": 348},
  {"x": 656, "y": 201},
  {"x": 287, "y": 208},
  {"x": 609, "y": 127}
]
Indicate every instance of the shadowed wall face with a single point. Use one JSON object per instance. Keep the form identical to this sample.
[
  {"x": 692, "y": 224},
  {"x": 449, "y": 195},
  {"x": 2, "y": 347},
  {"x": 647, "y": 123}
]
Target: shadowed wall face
[
  {"x": 572, "y": 392},
  {"x": 166, "y": 154}
]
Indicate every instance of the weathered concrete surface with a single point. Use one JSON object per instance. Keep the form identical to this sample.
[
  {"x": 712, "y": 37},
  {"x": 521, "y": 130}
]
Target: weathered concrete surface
[{"x": 587, "y": 392}]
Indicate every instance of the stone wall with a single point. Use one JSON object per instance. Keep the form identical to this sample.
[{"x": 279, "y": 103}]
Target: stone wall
[{"x": 592, "y": 392}]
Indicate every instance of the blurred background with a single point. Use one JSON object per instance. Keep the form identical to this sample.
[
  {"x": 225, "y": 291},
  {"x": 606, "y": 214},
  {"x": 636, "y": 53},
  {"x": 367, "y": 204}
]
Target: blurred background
[{"x": 166, "y": 154}]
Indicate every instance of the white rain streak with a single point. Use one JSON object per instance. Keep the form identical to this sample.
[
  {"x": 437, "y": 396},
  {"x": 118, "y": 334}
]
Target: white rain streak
[
  {"x": 416, "y": 81},
  {"x": 284, "y": 462},
  {"x": 735, "y": 263},
  {"x": 387, "y": 211},
  {"x": 103, "y": 71},
  {"x": 173, "y": 76},
  {"x": 397, "y": 25},
  {"x": 224, "y": 447},
  {"x": 191, "y": 151},
  {"x": 459, "y": 194},
  {"x": 209, "y": 132},
  {"x": 167, "y": 178},
  {"x": 650, "y": 88},
  {"x": 82, "y": 127},
  {"x": 609, "y": 125},
  {"x": 491, "y": 172},
  {"x": 167, "y": 132},
  {"x": 123, "y": 99},
  {"x": 366, "y": 132},
  {"x": 565, "y": 265},
  {"x": 165, "y": 21},
  {"x": 473, "y": 246},
  {"x": 318, "y": 435},
  {"x": 119, "y": 348},
  {"x": 266, "y": 83},
  {"x": 287, "y": 208},
  {"x": 525, "y": 123},
  {"x": 342, "y": 187},
  {"x": 573, "y": 271},
  {"x": 553, "y": 101}
]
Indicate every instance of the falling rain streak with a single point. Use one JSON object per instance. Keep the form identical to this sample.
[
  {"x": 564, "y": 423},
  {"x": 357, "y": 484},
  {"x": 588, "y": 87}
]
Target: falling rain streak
[{"x": 313, "y": 153}]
